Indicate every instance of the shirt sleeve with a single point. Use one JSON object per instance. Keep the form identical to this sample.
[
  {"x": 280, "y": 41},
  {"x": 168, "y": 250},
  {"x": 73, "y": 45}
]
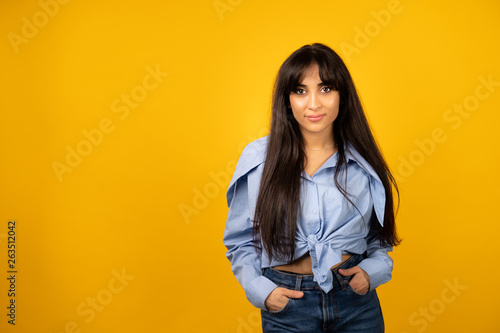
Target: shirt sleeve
[
  {"x": 245, "y": 261},
  {"x": 378, "y": 264}
]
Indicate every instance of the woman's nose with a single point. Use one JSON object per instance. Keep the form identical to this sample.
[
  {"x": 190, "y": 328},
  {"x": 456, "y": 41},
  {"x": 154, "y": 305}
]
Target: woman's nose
[{"x": 313, "y": 101}]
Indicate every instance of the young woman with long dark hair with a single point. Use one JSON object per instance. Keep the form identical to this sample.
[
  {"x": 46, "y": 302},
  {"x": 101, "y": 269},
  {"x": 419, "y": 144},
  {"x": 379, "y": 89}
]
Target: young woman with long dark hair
[{"x": 311, "y": 212}]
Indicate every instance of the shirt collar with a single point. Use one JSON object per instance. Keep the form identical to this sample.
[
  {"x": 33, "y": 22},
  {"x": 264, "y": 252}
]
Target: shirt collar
[
  {"x": 255, "y": 154},
  {"x": 351, "y": 154}
]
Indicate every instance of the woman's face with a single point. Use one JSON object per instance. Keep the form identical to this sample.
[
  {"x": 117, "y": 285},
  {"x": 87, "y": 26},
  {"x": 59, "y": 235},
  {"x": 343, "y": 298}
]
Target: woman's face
[{"x": 314, "y": 105}]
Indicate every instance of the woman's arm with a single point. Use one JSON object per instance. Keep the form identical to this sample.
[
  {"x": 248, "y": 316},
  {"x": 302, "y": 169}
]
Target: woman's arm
[
  {"x": 378, "y": 264},
  {"x": 245, "y": 262},
  {"x": 377, "y": 267}
]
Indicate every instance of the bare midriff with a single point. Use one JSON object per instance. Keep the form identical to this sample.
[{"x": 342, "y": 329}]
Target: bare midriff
[{"x": 303, "y": 265}]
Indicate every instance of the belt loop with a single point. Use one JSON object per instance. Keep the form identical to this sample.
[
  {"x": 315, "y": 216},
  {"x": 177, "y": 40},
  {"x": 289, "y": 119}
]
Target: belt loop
[{"x": 298, "y": 282}]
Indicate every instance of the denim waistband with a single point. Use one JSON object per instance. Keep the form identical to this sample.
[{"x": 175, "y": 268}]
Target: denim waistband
[{"x": 306, "y": 281}]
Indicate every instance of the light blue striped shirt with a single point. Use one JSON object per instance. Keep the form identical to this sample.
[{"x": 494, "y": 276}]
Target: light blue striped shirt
[{"x": 327, "y": 225}]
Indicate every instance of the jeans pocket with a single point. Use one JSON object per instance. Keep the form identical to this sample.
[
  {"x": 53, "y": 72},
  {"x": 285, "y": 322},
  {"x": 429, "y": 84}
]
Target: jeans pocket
[{"x": 283, "y": 309}]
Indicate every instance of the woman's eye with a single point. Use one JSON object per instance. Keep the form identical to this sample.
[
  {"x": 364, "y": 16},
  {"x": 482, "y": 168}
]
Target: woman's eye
[
  {"x": 327, "y": 89},
  {"x": 299, "y": 91}
]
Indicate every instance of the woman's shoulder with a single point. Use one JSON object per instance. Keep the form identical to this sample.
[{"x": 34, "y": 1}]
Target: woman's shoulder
[
  {"x": 256, "y": 147},
  {"x": 376, "y": 186},
  {"x": 353, "y": 155},
  {"x": 253, "y": 155}
]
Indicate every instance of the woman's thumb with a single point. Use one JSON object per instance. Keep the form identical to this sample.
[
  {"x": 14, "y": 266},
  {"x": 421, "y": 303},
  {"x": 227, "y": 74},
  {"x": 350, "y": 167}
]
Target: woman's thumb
[{"x": 346, "y": 272}]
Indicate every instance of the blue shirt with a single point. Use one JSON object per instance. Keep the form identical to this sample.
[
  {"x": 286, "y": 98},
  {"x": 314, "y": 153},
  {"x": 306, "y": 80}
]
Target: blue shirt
[{"x": 327, "y": 224}]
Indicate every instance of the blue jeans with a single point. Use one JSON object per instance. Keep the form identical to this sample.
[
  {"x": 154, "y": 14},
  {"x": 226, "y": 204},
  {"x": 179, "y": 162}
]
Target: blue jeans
[{"x": 339, "y": 310}]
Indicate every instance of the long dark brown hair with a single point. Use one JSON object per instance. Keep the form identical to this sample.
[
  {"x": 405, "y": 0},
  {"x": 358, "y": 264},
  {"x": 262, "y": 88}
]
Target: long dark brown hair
[{"x": 277, "y": 208}]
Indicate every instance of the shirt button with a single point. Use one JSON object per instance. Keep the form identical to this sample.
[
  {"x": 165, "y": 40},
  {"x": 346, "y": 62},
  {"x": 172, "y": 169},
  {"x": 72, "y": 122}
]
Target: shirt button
[{"x": 314, "y": 211}]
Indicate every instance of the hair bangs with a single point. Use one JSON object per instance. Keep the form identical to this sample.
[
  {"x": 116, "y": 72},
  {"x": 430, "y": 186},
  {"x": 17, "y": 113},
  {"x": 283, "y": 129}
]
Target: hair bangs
[
  {"x": 299, "y": 65},
  {"x": 296, "y": 73},
  {"x": 329, "y": 75}
]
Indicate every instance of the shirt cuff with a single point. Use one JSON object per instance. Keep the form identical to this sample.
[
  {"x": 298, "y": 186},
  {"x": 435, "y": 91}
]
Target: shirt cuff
[
  {"x": 378, "y": 275},
  {"x": 258, "y": 290}
]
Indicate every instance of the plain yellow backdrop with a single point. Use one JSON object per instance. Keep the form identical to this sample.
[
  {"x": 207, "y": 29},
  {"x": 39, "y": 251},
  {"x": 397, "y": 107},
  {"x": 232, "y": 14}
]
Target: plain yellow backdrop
[{"x": 121, "y": 123}]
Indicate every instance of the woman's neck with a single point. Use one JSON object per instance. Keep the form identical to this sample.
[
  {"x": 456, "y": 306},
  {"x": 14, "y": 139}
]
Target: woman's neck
[{"x": 318, "y": 141}]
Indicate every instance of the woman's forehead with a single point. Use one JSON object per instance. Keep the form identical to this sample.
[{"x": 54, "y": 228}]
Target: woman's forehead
[{"x": 311, "y": 72}]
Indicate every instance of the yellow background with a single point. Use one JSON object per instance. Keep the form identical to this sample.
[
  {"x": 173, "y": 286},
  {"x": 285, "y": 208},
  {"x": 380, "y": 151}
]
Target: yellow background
[{"x": 121, "y": 208}]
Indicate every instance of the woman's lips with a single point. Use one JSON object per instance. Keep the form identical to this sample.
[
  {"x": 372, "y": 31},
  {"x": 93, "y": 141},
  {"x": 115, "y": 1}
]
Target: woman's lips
[{"x": 316, "y": 117}]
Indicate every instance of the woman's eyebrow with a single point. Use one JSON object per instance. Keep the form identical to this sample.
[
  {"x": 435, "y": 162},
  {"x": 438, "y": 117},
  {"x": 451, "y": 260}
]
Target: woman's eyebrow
[{"x": 303, "y": 85}]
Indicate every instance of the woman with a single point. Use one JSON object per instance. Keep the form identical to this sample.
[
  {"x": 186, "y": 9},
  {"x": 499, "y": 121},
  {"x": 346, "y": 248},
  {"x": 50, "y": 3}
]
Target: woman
[{"x": 311, "y": 215}]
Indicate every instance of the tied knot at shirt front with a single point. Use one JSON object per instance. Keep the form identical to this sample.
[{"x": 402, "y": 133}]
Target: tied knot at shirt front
[{"x": 327, "y": 224}]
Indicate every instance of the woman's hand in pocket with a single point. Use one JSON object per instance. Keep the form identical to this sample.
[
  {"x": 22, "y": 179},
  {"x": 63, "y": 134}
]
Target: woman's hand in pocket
[
  {"x": 278, "y": 298},
  {"x": 360, "y": 282}
]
